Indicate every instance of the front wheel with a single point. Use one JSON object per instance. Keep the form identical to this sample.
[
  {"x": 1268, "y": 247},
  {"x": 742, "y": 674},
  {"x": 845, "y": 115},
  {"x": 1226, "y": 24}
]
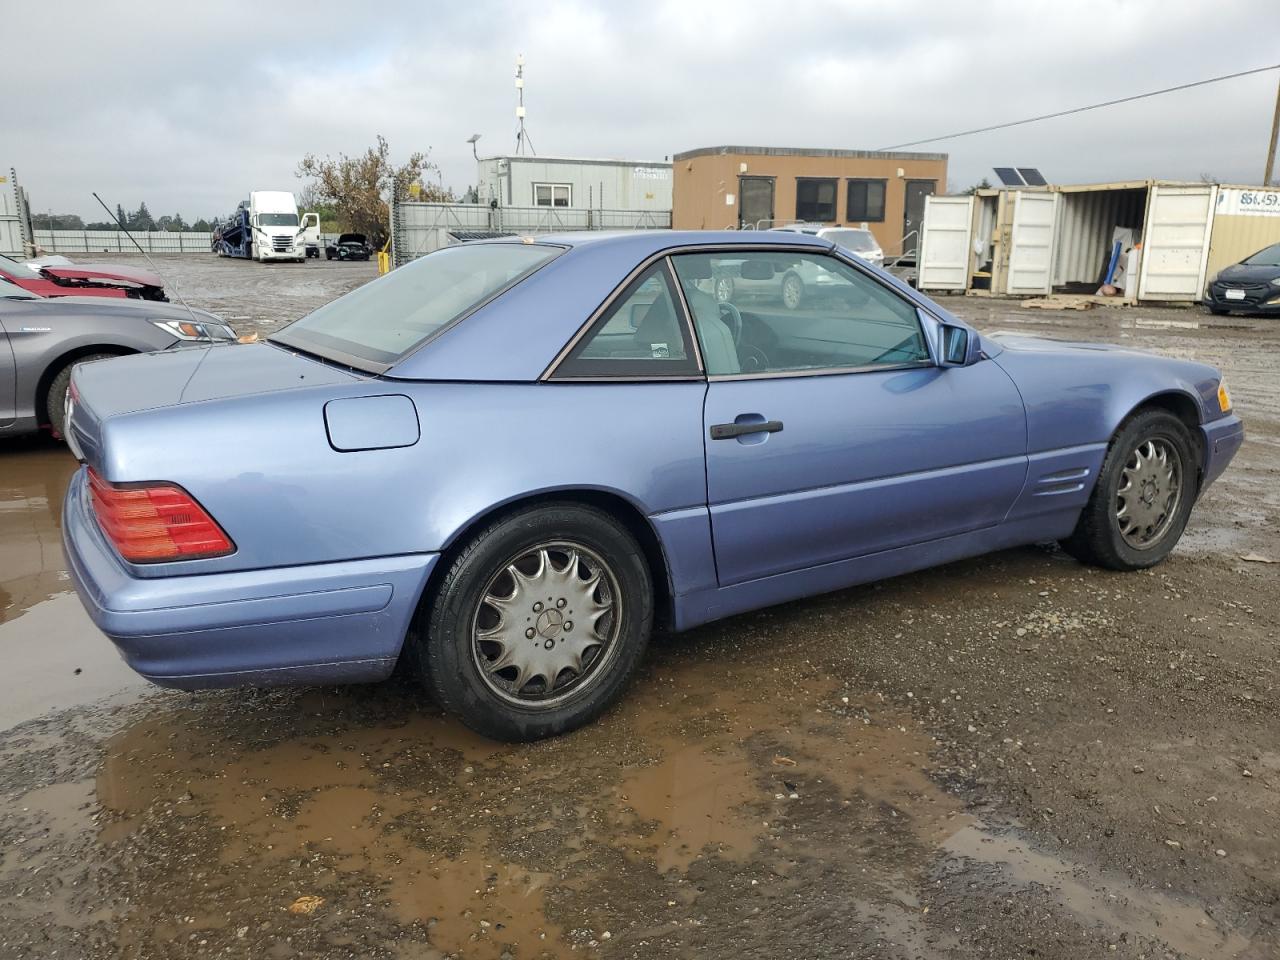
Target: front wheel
[
  {"x": 55, "y": 401},
  {"x": 1143, "y": 497},
  {"x": 538, "y": 624}
]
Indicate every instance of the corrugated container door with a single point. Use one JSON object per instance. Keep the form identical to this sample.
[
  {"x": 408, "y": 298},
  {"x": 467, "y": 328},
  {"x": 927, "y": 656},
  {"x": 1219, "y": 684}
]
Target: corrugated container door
[
  {"x": 946, "y": 238},
  {"x": 1175, "y": 243},
  {"x": 1035, "y": 229}
]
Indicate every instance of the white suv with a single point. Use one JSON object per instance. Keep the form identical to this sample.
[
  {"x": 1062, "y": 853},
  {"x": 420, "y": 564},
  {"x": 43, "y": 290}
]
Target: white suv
[{"x": 857, "y": 241}]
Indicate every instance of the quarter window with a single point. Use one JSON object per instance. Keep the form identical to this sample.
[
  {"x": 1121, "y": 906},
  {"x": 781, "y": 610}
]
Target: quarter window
[
  {"x": 815, "y": 200},
  {"x": 642, "y": 334},
  {"x": 866, "y": 201},
  {"x": 783, "y": 312},
  {"x": 552, "y": 194}
]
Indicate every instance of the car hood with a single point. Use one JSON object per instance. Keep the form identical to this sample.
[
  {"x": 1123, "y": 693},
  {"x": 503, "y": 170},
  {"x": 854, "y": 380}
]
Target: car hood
[
  {"x": 104, "y": 271},
  {"x": 126, "y": 309},
  {"x": 1246, "y": 273}
]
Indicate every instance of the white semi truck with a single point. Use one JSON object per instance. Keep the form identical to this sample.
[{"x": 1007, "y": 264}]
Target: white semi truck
[{"x": 266, "y": 228}]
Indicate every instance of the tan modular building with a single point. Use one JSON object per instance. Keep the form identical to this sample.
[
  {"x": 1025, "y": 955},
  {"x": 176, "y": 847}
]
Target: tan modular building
[{"x": 753, "y": 188}]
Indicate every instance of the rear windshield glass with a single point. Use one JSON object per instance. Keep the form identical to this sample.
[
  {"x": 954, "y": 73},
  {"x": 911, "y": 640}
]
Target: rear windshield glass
[
  {"x": 859, "y": 241},
  {"x": 385, "y": 319},
  {"x": 1270, "y": 257}
]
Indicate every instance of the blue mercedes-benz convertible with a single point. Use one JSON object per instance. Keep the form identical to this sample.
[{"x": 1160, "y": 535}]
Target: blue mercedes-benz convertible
[{"x": 507, "y": 460}]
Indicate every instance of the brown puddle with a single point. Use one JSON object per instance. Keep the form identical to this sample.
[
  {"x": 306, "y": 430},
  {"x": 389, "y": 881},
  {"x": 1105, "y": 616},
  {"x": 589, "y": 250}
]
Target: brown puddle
[
  {"x": 54, "y": 656},
  {"x": 463, "y": 840}
]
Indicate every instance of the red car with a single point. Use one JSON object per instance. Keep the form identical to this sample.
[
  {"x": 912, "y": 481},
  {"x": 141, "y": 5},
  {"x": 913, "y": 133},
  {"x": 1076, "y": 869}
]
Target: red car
[{"x": 83, "y": 280}]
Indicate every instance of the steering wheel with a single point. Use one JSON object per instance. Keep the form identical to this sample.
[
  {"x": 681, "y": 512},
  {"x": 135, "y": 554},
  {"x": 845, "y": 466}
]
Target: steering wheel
[{"x": 733, "y": 319}]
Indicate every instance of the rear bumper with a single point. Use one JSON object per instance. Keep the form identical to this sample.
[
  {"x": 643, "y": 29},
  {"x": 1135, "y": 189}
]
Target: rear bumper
[
  {"x": 1222, "y": 438},
  {"x": 321, "y": 623}
]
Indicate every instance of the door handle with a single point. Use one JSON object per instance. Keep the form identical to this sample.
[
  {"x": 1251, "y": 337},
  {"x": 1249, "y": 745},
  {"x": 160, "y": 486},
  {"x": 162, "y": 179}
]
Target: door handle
[{"x": 727, "y": 431}]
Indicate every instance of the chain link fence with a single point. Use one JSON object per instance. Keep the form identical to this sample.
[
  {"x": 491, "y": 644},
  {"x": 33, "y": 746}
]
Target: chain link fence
[{"x": 419, "y": 228}]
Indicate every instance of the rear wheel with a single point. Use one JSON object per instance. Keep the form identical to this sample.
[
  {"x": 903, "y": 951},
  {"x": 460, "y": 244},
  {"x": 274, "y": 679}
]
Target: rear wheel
[
  {"x": 55, "y": 400},
  {"x": 1143, "y": 497},
  {"x": 539, "y": 622}
]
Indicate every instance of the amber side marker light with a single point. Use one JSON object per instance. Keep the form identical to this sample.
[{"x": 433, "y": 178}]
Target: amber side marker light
[
  {"x": 155, "y": 522},
  {"x": 1224, "y": 397}
]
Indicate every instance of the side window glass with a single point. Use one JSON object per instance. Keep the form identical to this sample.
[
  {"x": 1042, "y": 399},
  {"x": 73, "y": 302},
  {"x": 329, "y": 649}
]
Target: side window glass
[
  {"x": 641, "y": 334},
  {"x": 780, "y": 312}
]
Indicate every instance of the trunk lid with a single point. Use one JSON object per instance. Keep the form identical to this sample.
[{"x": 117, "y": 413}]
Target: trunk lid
[{"x": 147, "y": 381}]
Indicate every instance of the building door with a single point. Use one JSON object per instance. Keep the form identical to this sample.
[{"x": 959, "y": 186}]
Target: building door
[
  {"x": 755, "y": 202},
  {"x": 913, "y": 212}
]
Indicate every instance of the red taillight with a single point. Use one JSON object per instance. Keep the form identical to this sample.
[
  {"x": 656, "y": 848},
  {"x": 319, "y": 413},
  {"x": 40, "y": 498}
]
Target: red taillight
[{"x": 150, "y": 522}]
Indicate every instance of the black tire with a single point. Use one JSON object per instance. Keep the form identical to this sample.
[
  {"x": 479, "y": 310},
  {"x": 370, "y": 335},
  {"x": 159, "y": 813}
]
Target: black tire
[
  {"x": 448, "y": 654},
  {"x": 328, "y": 254},
  {"x": 797, "y": 284},
  {"x": 1098, "y": 538},
  {"x": 55, "y": 399}
]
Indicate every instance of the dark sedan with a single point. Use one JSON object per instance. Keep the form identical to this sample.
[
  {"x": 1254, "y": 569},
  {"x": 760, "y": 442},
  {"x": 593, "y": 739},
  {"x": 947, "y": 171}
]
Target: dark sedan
[
  {"x": 1252, "y": 285},
  {"x": 350, "y": 246},
  {"x": 42, "y": 338}
]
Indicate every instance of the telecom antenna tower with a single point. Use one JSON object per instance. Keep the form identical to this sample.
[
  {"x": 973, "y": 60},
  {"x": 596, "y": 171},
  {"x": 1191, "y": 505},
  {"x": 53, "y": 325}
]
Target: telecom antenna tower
[{"x": 522, "y": 135}]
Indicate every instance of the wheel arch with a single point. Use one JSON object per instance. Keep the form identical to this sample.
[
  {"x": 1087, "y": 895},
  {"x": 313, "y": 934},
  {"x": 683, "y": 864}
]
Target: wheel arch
[
  {"x": 60, "y": 362},
  {"x": 1180, "y": 404},
  {"x": 615, "y": 504}
]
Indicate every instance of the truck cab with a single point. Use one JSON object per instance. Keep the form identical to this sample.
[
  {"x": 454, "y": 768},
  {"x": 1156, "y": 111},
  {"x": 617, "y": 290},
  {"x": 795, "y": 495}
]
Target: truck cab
[{"x": 277, "y": 232}]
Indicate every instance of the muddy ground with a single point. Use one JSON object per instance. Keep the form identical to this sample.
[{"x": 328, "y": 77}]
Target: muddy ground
[{"x": 1013, "y": 756}]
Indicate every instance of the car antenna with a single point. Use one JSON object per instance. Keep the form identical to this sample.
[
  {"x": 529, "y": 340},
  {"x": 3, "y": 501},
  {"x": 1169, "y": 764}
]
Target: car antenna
[{"x": 167, "y": 281}]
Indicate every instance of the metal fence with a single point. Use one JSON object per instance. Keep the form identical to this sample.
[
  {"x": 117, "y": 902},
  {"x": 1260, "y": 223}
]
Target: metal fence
[
  {"x": 115, "y": 241},
  {"x": 421, "y": 228}
]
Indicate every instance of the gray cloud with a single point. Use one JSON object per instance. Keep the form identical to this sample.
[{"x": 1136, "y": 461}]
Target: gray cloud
[{"x": 190, "y": 107}]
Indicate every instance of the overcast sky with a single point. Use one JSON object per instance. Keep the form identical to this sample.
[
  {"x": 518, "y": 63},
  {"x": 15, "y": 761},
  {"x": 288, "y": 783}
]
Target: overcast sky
[{"x": 189, "y": 107}]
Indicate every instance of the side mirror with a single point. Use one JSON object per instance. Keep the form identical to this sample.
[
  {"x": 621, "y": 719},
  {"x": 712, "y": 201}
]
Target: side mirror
[{"x": 959, "y": 346}]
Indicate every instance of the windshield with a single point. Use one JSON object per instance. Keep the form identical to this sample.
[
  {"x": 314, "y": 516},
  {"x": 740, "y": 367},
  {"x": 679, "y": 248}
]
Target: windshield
[
  {"x": 1270, "y": 257},
  {"x": 383, "y": 320},
  {"x": 860, "y": 241},
  {"x": 11, "y": 291},
  {"x": 16, "y": 268},
  {"x": 277, "y": 219}
]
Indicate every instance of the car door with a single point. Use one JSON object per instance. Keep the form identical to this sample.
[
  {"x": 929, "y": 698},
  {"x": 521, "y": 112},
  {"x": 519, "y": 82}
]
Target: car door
[{"x": 830, "y": 431}]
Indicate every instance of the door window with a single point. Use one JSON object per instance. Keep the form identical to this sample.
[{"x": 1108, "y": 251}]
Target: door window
[
  {"x": 777, "y": 312},
  {"x": 642, "y": 334}
]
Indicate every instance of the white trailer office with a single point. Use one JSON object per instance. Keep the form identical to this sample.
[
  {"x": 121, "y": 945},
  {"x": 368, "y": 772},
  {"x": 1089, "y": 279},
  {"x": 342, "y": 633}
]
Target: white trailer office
[{"x": 569, "y": 183}]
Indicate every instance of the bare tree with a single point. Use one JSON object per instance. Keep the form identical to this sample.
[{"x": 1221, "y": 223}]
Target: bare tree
[{"x": 358, "y": 187}]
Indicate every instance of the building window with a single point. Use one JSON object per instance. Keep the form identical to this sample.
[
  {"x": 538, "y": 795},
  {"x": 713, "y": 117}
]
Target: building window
[
  {"x": 866, "y": 201},
  {"x": 815, "y": 200},
  {"x": 552, "y": 194}
]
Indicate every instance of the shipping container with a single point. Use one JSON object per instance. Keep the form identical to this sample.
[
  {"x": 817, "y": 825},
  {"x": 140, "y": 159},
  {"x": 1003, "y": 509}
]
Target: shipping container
[{"x": 1153, "y": 240}]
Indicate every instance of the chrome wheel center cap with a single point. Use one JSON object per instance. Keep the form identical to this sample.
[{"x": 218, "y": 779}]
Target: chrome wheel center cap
[{"x": 549, "y": 624}]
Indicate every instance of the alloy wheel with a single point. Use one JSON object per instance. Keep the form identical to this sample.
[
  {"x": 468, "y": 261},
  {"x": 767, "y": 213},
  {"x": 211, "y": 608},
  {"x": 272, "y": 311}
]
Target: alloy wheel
[
  {"x": 1150, "y": 493},
  {"x": 547, "y": 624}
]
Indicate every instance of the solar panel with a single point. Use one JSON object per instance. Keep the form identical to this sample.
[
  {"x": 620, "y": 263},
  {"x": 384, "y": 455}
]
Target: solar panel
[
  {"x": 1032, "y": 178},
  {"x": 1009, "y": 177}
]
